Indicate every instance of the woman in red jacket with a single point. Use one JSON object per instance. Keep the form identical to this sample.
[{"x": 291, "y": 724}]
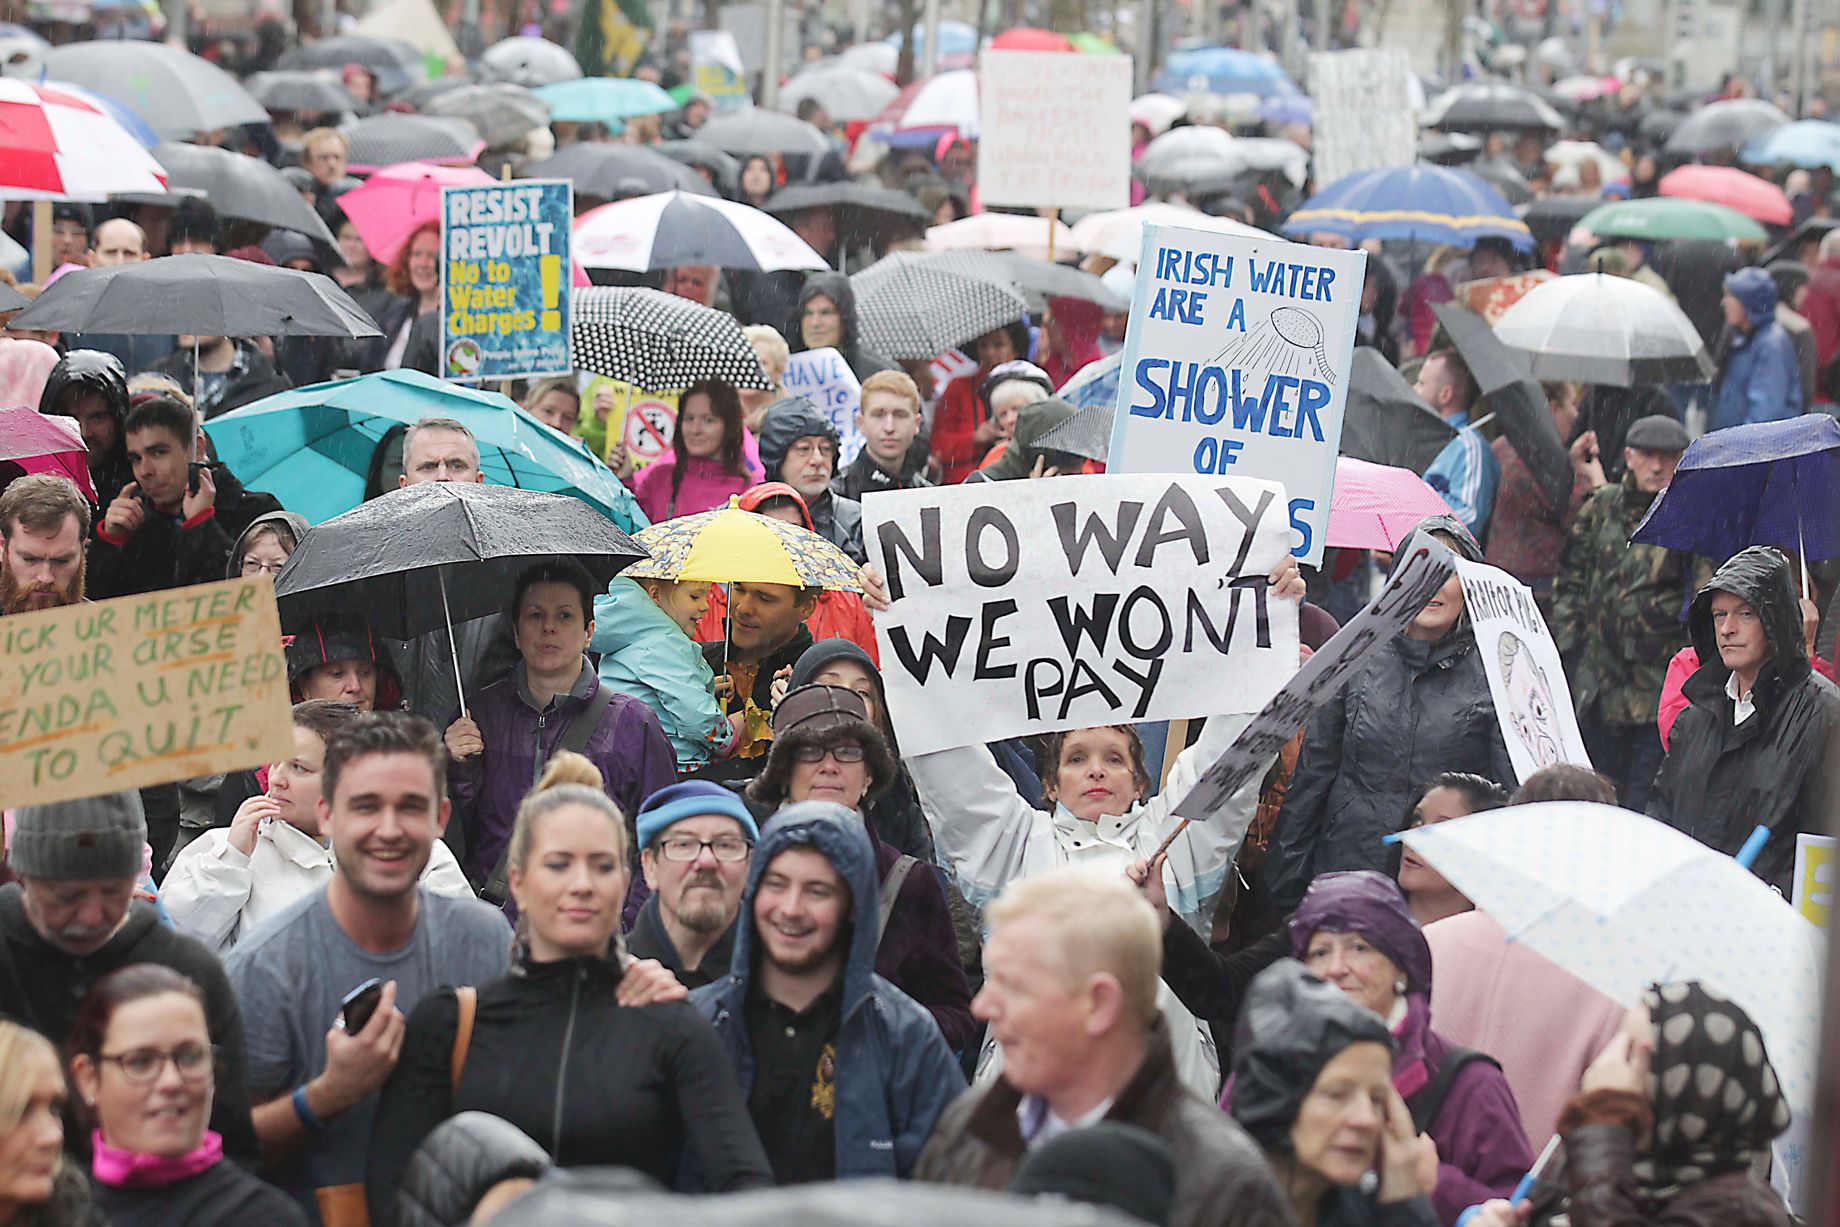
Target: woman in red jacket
[{"x": 964, "y": 429}]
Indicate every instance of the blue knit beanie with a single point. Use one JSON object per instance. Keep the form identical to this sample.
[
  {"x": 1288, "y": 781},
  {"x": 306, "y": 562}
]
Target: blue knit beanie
[{"x": 692, "y": 799}]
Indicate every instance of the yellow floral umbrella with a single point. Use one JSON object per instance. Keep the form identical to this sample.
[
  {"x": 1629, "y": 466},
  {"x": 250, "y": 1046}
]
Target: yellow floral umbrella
[{"x": 729, "y": 545}]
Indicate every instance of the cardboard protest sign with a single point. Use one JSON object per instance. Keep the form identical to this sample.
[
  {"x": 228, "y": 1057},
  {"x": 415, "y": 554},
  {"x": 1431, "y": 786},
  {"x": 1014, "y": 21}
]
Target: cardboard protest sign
[
  {"x": 1813, "y": 883},
  {"x": 1526, "y": 679},
  {"x": 822, "y": 377},
  {"x": 141, "y": 690},
  {"x": 1236, "y": 362},
  {"x": 1322, "y": 677},
  {"x": 1050, "y": 130},
  {"x": 642, "y": 420},
  {"x": 1362, "y": 118},
  {"x": 715, "y": 58},
  {"x": 505, "y": 280},
  {"x": 1029, "y": 606}
]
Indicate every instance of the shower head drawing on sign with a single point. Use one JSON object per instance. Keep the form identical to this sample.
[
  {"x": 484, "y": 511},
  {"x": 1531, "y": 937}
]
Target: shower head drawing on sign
[
  {"x": 1532, "y": 713},
  {"x": 1291, "y": 341}
]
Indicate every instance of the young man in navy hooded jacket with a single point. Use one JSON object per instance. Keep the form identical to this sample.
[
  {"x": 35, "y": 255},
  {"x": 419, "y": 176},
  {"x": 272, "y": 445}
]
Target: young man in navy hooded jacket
[{"x": 844, "y": 1074}]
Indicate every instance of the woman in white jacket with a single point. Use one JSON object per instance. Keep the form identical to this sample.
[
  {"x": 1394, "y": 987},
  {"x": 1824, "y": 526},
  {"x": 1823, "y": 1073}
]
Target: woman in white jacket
[{"x": 228, "y": 881}]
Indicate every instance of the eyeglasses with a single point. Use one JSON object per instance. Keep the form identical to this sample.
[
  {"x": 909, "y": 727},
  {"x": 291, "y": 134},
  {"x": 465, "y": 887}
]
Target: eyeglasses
[
  {"x": 252, "y": 566},
  {"x": 144, "y": 1065},
  {"x": 804, "y": 449},
  {"x": 726, "y": 848},
  {"x": 845, "y": 752}
]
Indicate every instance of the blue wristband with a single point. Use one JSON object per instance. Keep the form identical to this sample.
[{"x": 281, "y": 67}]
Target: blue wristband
[{"x": 304, "y": 1111}]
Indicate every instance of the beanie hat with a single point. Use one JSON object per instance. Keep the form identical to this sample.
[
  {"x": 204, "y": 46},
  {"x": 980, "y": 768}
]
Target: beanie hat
[
  {"x": 86, "y": 839},
  {"x": 692, "y": 799},
  {"x": 1755, "y": 290},
  {"x": 1125, "y": 1167}
]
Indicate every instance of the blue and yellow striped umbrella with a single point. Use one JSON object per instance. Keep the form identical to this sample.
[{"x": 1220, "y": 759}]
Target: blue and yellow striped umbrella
[{"x": 1433, "y": 204}]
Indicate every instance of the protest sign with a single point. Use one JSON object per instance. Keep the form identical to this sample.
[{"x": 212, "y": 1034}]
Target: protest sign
[
  {"x": 1362, "y": 116},
  {"x": 1322, "y": 677},
  {"x": 715, "y": 57},
  {"x": 642, "y": 420},
  {"x": 505, "y": 280},
  {"x": 141, "y": 690},
  {"x": 822, "y": 377},
  {"x": 1236, "y": 362},
  {"x": 1137, "y": 598},
  {"x": 1050, "y": 130},
  {"x": 1812, "y": 887},
  {"x": 1526, "y": 679}
]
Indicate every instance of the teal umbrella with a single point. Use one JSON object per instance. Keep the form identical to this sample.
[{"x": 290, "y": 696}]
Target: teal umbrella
[
  {"x": 605, "y": 100},
  {"x": 313, "y": 448}
]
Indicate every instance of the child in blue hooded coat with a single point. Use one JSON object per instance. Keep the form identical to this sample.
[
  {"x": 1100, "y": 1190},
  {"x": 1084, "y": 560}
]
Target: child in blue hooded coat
[{"x": 642, "y": 631}]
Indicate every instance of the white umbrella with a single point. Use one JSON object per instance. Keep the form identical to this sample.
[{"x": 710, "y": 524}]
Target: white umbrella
[
  {"x": 1569, "y": 155},
  {"x": 1622, "y": 901},
  {"x": 1157, "y": 111},
  {"x": 675, "y": 229},
  {"x": 1596, "y": 328},
  {"x": 847, "y": 93},
  {"x": 1119, "y": 233},
  {"x": 529, "y": 62},
  {"x": 1002, "y": 232},
  {"x": 949, "y": 100},
  {"x": 871, "y": 57}
]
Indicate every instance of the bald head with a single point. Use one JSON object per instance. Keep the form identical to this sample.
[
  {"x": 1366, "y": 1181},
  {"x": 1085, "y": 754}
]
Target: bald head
[{"x": 119, "y": 241}]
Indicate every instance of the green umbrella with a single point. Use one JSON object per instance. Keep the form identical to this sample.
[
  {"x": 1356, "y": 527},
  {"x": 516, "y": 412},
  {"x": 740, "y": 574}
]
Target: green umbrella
[
  {"x": 1092, "y": 44},
  {"x": 1667, "y": 217}
]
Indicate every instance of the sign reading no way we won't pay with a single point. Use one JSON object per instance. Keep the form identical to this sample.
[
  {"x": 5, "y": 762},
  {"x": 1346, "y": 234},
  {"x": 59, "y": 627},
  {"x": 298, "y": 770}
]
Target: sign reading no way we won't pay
[
  {"x": 1236, "y": 363},
  {"x": 505, "y": 280}
]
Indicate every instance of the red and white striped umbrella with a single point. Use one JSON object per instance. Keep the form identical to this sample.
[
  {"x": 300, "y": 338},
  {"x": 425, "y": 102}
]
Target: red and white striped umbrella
[{"x": 55, "y": 145}]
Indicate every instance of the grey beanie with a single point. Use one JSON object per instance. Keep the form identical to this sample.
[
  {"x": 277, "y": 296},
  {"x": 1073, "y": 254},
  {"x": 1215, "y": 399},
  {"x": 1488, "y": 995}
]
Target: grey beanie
[{"x": 87, "y": 839}]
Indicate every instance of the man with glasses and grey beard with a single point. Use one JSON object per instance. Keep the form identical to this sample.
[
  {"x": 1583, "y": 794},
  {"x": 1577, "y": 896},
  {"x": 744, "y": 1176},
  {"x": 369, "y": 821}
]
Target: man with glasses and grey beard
[{"x": 695, "y": 840}]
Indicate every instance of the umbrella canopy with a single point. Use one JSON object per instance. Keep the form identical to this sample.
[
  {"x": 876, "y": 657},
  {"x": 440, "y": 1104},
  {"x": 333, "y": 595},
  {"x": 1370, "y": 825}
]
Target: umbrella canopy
[
  {"x": 729, "y": 545},
  {"x": 1572, "y": 155},
  {"x": 1437, "y": 204},
  {"x": 1119, "y": 233},
  {"x": 864, "y": 216},
  {"x": 1222, "y": 70},
  {"x": 1088, "y": 433},
  {"x": 1375, "y": 507},
  {"x": 1622, "y": 901},
  {"x": 1094, "y": 385},
  {"x": 60, "y": 146},
  {"x": 529, "y": 62},
  {"x": 1490, "y": 106},
  {"x": 1385, "y": 422},
  {"x": 1731, "y": 124},
  {"x": 1027, "y": 38},
  {"x": 1551, "y": 219},
  {"x": 45, "y": 443},
  {"x": 946, "y": 102},
  {"x": 605, "y": 100},
  {"x": 880, "y": 58},
  {"x": 503, "y": 114},
  {"x": 1601, "y": 329},
  {"x": 614, "y": 171},
  {"x": 395, "y": 63},
  {"x": 655, "y": 340},
  {"x": 1735, "y": 189},
  {"x": 1505, "y": 378},
  {"x": 1806, "y": 142},
  {"x": 848, "y": 94},
  {"x": 198, "y": 295},
  {"x": 1662, "y": 217},
  {"x": 1764, "y": 483},
  {"x": 920, "y": 304},
  {"x": 176, "y": 92},
  {"x": 1201, "y": 160},
  {"x": 241, "y": 186},
  {"x": 954, "y": 39},
  {"x": 673, "y": 229},
  {"x": 1157, "y": 111},
  {"x": 393, "y": 203},
  {"x": 1040, "y": 280},
  {"x": 439, "y": 553},
  {"x": 312, "y": 447},
  {"x": 694, "y": 153},
  {"x": 1001, "y": 232},
  {"x": 1504, "y": 178},
  {"x": 11, "y": 299},
  {"x": 387, "y": 139},
  {"x": 1587, "y": 88},
  {"x": 751, "y": 130},
  {"x": 307, "y": 93}
]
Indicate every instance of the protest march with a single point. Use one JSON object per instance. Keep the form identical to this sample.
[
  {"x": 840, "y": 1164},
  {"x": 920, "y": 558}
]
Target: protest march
[{"x": 1030, "y": 614}]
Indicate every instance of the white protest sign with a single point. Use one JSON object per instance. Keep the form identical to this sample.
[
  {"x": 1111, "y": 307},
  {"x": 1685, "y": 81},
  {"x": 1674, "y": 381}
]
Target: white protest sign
[
  {"x": 715, "y": 57},
  {"x": 1526, "y": 680},
  {"x": 1322, "y": 677},
  {"x": 1053, "y": 130},
  {"x": 1362, "y": 115},
  {"x": 822, "y": 377},
  {"x": 1236, "y": 362},
  {"x": 1136, "y": 598}
]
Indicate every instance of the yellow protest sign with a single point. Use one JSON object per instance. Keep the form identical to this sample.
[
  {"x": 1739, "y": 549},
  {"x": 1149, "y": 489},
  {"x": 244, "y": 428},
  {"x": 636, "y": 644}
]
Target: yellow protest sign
[
  {"x": 1813, "y": 884},
  {"x": 141, "y": 690}
]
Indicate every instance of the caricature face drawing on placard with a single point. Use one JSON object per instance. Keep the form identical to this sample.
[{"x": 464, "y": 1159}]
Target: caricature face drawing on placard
[{"x": 1531, "y": 712}]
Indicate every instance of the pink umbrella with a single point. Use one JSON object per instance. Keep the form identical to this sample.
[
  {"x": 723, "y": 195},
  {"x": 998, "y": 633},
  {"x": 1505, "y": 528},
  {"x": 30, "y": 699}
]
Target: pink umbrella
[
  {"x": 1376, "y": 506},
  {"x": 1735, "y": 189},
  {"x": 45, "y": 443}
]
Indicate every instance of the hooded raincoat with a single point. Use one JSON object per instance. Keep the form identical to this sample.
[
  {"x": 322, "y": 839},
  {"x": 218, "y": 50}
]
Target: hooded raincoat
[
  {"x": 1777, "y": 768},
  {"x": 893, "y": 1073},
  {"x": 91, "y": 370},
  {"x": 646, "y": 655},
  {"x": 833, "y": 517},
  {"x": 836, "y": 287},
  {"x": 1762, "y": 377}
]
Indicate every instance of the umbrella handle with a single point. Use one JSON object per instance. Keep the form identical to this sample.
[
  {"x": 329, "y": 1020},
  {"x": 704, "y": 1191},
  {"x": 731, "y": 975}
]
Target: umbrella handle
[
  {"x": 1753, "y": 846},
  {"x": 452, "y": 647}
]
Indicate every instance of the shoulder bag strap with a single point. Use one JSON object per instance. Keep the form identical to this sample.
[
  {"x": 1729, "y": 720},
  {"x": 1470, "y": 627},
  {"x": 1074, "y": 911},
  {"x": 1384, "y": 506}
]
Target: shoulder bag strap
[
  {"x": 891, "y": 890},
  {"x": 1431, "y": 1100},
  {"x": 582, "y": 727},
  {"x": 468, "y": 999}
]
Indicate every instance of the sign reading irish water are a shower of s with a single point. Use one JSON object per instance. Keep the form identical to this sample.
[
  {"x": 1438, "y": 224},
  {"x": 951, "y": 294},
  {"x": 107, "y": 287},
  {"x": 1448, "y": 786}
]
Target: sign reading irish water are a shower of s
[
  {"x": 1236, "y": 363},
  {"x": 505, "y": 280}
]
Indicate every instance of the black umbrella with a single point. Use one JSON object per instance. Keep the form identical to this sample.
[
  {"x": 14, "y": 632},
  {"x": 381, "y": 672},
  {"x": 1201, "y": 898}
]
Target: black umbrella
[
  {"x": 439, "y": 553},
  {"x": 920, "y": 304},
  {"x": 177, "y": 93},
  {"x": 11, "y": 299},
  {"x": 240, "y": 186},
  {"x": 1505, "y": 377},
  {"x": 1448, "y": 148},
  {"x": 1552, "y": 218},
  {"x": 198, "y": 295},
  {"x": 1489, "y": 106},
  {"x": 308, "y": 93},
  {"x": 1654, "y": 128},
  {"x": 864, "y": 215},
  {"x": 751, "y": 130},
  {"x": 614, "y": 172},
  {"x": 1731, "y": 124},
  {"x": 395, "y": 63},
  {"x": 1385, "y": 422},
  {"x": 1815, "y": 229},
  {"x": 1041, "y": 281},
  {"x": 504, "y": 114},
  {"x": 1504, "y": 178},
  {"x": 694, "y": 153},
  {"x": 392, "y": 137},
  {"x": 655, "y": 340}
]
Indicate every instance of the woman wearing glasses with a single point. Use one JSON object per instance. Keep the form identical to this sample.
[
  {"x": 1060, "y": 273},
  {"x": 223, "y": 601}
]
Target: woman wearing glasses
[
  {"x": 141, "y": 1060},
  {"x": 266, "y": 545},
  {"x": 553, "y": 1047}
]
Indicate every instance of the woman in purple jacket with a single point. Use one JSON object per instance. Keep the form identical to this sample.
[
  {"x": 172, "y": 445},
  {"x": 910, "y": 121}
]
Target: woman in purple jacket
[
  {"x": 1355, "y": 931},
  {"x": 512, "y": 727}
]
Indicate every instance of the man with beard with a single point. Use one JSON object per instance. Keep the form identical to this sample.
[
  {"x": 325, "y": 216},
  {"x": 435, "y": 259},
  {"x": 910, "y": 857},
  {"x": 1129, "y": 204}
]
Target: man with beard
[
  {"x": 44, "y": 520},
  {"x": 696, "y": 839}
]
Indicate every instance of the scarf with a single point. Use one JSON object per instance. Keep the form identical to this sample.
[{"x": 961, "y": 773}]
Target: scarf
[{"x": 128, "y": 1169}]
